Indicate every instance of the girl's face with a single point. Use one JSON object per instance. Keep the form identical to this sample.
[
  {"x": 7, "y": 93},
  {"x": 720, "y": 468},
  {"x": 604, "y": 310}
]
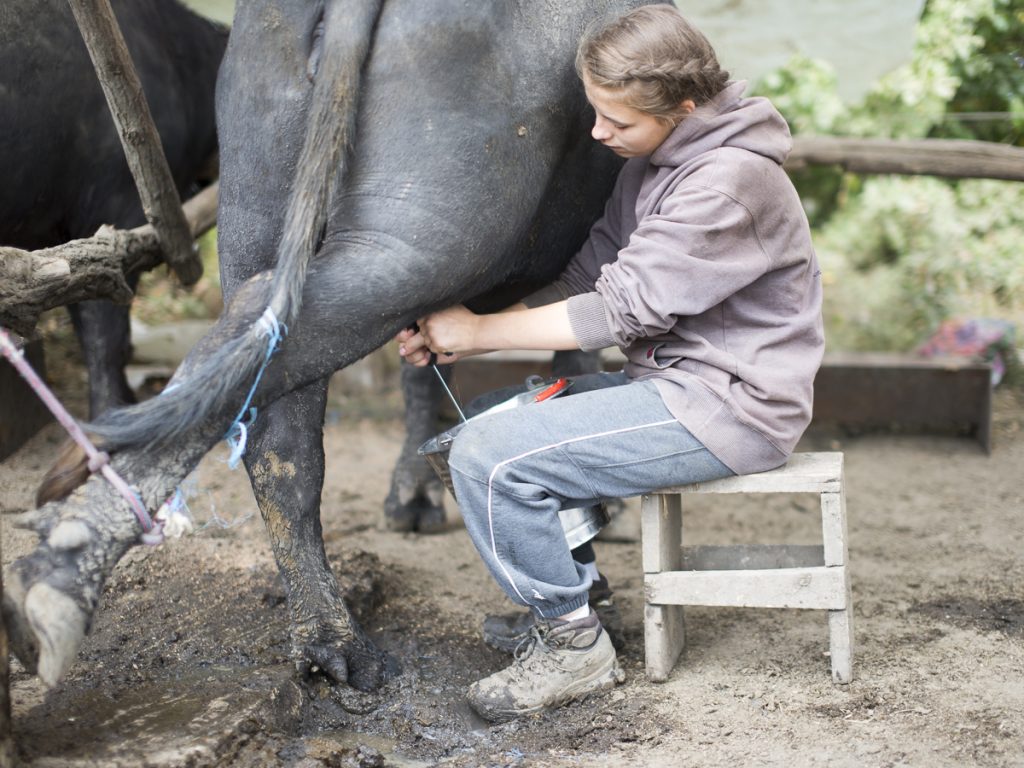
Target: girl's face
[{"x": 626, "y": 131}]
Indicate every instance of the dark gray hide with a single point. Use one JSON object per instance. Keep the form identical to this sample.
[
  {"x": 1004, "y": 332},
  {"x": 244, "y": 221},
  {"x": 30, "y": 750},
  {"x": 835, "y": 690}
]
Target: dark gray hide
[
  {"x": 64, "y": 172},
  {"x": 471, "y": 169}
]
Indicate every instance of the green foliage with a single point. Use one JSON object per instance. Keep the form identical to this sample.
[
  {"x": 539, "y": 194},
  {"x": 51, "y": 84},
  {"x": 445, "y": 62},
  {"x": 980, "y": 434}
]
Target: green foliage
[
  {"x": 160, "y": 297},
  {"x": 909, "y": 101},
  {"x": 899, "y": 255},
  {"x": 991, "y": 83},
  {"x": 914, "y": 251},
  {"x": 805, "y": 92}
]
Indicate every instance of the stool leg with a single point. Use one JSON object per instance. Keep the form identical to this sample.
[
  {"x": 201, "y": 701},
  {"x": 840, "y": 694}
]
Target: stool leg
[
  {"x": 840, "y": 629},
  {"x": 840, "y": 622},
  {"x": 661, "y": 532}
]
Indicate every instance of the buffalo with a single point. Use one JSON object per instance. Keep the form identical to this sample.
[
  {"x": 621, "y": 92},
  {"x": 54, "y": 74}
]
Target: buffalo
[
  {"x": 380, "y": 159},
  {"x": 65, "y": 173}
]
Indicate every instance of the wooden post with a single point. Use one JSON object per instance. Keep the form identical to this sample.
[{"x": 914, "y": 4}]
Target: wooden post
[{"x": 138, "y": 133}]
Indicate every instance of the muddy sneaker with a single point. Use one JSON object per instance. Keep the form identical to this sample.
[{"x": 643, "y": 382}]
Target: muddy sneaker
[
  {"x": 506, "y": 631},
  {"x": 559, "y": 662}
]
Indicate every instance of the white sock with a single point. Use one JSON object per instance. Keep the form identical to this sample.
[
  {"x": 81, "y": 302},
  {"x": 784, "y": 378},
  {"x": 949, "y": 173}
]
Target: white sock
[
  {"x": 591, "y": 569},
  {"x": 580, "y": 613}
]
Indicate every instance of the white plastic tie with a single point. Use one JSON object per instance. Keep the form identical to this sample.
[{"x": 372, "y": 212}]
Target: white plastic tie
[{"x": 175, "y": 516}]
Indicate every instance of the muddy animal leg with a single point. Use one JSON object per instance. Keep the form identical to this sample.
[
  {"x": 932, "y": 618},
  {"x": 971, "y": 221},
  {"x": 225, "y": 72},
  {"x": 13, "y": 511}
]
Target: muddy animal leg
[
  {"x": 285, "y": 459},
  {"x": 103, "y": 334},
  {"x": 50, "y": 594},
  {"x": 416, "y": 499}
]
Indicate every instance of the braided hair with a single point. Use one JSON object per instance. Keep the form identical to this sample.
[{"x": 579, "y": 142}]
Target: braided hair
[{"x": 654, "y": 58}]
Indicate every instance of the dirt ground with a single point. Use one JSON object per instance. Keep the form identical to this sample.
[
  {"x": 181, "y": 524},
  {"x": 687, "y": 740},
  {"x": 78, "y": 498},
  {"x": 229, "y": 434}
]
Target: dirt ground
[{"x": 186, "y": 662}]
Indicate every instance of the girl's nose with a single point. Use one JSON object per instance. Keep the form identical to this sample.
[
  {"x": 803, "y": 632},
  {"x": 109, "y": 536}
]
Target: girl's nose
[{"x": 600, "y": 131}]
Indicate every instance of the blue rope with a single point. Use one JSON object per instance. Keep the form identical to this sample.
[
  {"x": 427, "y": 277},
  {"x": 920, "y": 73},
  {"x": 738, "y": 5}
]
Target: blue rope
[
  {"x": 178, "y": 504},
  {"x": 238, "y": 432}
]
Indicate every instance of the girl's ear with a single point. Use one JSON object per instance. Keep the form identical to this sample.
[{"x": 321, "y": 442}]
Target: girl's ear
[{"x": 686, "y": 106}]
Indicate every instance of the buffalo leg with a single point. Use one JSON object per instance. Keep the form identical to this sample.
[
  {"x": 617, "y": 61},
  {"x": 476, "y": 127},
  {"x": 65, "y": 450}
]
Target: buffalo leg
[
  {"x": 416, "y": 499},
  {"x": 104, "y": 336},
  {"x": 285, "y": 459},
  {"x": 50, "y": 594}
]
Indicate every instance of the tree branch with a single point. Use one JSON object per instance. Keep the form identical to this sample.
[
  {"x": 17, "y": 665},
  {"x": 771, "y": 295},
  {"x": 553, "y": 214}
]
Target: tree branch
[{"x": 32, "y": 282}]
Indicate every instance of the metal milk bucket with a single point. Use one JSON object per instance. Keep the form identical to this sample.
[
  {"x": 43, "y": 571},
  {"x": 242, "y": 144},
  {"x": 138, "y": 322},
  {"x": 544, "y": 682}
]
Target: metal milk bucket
[{"x": 580, "y": 524}]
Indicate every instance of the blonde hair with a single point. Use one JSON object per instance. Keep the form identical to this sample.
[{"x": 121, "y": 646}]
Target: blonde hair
[{"x": 654, "y": 58}]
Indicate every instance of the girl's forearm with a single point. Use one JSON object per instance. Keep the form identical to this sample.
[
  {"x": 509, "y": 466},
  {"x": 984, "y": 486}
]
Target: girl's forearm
[{"x": 546, "y": 327}]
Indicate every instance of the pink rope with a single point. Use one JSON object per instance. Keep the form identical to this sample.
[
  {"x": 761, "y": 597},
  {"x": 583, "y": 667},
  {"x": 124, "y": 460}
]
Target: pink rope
[{"x": 99, "y": 461}]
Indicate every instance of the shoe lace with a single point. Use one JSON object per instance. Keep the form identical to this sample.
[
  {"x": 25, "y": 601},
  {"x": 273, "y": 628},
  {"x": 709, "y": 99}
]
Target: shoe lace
[{"x": 525, "y": 647}]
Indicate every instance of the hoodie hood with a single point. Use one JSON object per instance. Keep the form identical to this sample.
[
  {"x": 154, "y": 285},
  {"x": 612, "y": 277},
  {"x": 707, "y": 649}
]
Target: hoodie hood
[{"x": 728, "y": 120}]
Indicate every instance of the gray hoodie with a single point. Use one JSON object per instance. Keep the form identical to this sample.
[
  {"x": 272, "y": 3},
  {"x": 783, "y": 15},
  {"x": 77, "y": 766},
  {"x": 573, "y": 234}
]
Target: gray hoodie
[{"x": 703, "y": 273}]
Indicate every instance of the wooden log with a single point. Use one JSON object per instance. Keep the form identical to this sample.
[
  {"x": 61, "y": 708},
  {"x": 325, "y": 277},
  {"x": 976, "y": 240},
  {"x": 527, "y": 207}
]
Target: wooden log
[
  {"x": 32, "y": 282},
  {"x": 929, "y": 157},
  {"x": 139, "y": 137}
]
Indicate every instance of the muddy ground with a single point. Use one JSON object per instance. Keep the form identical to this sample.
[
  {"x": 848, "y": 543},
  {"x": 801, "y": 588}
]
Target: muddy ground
[{"x": 187, "y": 660}]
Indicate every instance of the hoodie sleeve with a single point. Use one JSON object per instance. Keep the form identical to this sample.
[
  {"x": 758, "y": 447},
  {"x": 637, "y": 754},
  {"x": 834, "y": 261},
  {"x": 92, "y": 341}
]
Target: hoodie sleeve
[
  {"x": 601, "y": 247},
  {"x": 699, "y": 249}
]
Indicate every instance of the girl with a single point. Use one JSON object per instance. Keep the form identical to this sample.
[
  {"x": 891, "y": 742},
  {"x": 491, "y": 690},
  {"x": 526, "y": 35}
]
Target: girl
[{"x": 702, "y": 272}]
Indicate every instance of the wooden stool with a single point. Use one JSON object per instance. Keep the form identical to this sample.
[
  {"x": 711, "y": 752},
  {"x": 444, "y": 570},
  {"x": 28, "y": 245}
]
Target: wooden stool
[{"x": 752, "y": 576}]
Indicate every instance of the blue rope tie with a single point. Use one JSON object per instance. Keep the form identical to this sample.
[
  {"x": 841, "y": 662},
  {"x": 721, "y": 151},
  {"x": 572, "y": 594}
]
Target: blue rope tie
[{"x": 238, "y": 432}]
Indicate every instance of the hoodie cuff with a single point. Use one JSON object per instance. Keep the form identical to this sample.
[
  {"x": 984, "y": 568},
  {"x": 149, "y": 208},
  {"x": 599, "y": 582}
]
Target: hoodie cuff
[
  {"x": 589, "y": 321},
  {"x": 549, "y": 294}
]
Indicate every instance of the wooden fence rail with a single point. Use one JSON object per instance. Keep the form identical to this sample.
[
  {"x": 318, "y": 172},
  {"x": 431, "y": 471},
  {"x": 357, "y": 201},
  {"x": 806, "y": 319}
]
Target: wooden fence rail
[{"x": 924, "y": 157}]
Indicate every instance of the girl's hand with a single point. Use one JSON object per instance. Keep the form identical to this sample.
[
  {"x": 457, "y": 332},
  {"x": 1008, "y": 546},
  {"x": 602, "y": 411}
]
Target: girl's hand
[
  {"x": 412, "y": 346},
  {"x": 448, "y": 334},
  {"x": 450, "y": 331}
]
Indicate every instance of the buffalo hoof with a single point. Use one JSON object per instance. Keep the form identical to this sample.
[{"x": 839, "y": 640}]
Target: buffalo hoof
[
  {"x": 350, "y": 659},
  {"x": 431, "y": 519},
  {"x": 419, "y": 510},
  {"x": 45, "y": 626}
]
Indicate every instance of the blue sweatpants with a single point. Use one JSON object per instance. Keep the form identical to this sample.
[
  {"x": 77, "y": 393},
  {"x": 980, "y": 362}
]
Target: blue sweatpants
[{"x": 514, "y": 470}]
